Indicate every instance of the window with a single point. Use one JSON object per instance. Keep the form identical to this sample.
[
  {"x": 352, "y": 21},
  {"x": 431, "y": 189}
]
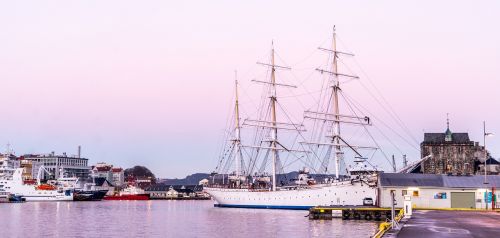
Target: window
[
  {"x": 415, "y": 193},
  {"x": 404, "y": 192}
]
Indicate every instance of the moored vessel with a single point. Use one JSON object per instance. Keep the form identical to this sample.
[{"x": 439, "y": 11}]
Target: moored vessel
[
  {"x": 39, "y": 192},
  {"x": 240, "y": 182},
  {"x": 129, "y": 193}
]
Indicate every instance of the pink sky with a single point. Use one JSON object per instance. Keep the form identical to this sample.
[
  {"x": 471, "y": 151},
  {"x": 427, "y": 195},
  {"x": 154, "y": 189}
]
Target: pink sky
[{"x": 150, "y": 83}]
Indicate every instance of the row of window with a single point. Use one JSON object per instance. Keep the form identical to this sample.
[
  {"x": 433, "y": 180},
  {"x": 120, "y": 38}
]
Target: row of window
[{"x": 61, "y": 161}]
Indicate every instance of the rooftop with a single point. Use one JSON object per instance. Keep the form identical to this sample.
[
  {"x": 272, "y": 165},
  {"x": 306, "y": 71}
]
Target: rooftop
[
  {"x": 440, "y": 138},
  {"x": 434, "y": 180}
]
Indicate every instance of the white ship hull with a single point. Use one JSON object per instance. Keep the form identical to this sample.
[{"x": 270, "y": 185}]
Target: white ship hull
[
  {"x": 31, "y": 193},
  {"x": 45, "y": 196},
  {"x": 339, "y": 193}
]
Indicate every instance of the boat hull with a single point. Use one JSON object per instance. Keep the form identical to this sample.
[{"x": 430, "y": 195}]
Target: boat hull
[
  {"x": 335, "y": 194},
  {"x": 128, "y": 197},
  {"x": 89, "y": 195},
  {"x": 46, "y": 198}
]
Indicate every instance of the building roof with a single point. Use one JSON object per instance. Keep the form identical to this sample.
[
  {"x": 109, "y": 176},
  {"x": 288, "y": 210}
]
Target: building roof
[
  {"x": 492, "y": 161},
  {"x": 102, "y": 181},
  {"x": 102, "y": 169},
  {"x": 115, "y": 170},
  {"x": 439, "y": 138},
  {"x": 410, "y": 180},
  {"x": 435, "y": 180}
]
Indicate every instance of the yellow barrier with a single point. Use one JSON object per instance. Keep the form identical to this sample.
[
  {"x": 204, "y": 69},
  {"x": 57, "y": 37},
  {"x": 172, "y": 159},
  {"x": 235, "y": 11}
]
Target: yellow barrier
[{"x": 385, "y": 226}]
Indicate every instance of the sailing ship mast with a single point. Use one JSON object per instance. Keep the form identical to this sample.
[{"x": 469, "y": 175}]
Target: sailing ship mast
[
  {"x": 273, "y": 117},
  {"x": 237, "y": 140},
  {"x": 273, "y": 124},
  {"x": 335, "y": 102},
  {"x": 334, "y": 116}
]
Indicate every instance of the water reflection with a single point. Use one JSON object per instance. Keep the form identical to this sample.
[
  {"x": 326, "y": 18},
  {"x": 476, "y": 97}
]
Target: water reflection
[{"x": 165, "y": 219}]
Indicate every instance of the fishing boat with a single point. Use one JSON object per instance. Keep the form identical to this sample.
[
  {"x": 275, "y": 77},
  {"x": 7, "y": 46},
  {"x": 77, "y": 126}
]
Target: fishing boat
[
  {"x": 89, "y": 195},
  {"x": 239, "y": 181},
  {"x": 129, "y": 193}
]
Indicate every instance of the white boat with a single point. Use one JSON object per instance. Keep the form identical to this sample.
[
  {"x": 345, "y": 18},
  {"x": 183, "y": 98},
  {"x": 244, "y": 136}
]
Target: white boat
[
  {"x": 249, "y": 187},
  {"x": 15, "y": 186}
]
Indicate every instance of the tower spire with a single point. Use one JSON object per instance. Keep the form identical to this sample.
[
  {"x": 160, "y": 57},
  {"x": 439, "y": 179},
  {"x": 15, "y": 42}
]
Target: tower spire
[
  {"x": 448, "y": 135},
  {"x": 447, "y": 121}
]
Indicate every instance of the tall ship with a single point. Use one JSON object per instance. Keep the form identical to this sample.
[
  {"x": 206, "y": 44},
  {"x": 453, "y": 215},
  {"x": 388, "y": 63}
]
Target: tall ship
[{"x": 251, "y": 171}]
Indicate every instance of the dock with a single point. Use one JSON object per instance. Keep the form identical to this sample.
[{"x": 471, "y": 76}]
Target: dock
[
  {"x": 426, "y": 223},
  {"x": 350, "y": 212}
]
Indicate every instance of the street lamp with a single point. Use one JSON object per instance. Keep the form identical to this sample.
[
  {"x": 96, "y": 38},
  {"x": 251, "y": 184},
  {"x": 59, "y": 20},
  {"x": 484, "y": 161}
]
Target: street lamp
[{"x": 485, "y": 134}]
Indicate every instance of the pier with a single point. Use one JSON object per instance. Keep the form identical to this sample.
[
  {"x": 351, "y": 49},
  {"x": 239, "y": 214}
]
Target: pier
[{"x": 350, "y": 212}]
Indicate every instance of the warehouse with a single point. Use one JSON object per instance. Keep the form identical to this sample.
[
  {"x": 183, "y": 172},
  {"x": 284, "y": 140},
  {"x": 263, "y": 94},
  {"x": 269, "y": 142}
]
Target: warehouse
[{"x": 439, "y": 191}]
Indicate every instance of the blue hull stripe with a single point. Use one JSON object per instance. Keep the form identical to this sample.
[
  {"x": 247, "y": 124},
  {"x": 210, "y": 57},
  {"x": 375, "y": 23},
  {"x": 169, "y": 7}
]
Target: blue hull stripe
[{"x": 264, "y": 206}]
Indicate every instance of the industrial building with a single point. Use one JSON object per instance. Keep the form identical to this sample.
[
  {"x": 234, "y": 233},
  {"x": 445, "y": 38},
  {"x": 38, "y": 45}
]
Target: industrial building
[
  {"x": 53, "y": 163},
  {"x": 439, "y": 191}
]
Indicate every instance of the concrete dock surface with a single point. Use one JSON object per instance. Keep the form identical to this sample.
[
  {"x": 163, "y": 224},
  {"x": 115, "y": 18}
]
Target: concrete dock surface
[{"x": 456, "y": 224}]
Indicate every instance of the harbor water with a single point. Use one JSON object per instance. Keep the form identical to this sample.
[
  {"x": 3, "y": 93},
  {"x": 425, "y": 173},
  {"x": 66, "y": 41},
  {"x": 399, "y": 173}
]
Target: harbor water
[{"x": 166, "y": 219}]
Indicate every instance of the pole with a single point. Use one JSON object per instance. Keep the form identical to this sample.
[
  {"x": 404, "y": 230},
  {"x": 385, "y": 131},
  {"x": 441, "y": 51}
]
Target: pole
[
  {"x": 485, "y": 152},
  {"x": 393, "y": 209},
  {"x": 393, "y": 164},
  {"x": 493, "y": 199}
]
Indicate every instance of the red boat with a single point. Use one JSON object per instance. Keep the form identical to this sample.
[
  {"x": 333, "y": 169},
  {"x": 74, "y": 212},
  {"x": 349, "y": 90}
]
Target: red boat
[
  {"x": 130, "y": 193},
  {"x": 128, "y": 197}
]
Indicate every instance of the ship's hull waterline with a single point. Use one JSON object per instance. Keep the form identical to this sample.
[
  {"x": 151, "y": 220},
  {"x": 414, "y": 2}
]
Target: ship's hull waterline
[
  {"x": 47, "y": 198},
  {"x": 341, "y": 194}
]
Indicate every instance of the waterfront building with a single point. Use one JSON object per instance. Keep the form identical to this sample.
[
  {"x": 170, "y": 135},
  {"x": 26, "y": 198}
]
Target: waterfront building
[
  {"x": 30, "y": 167},
  {"x": 142, "y": 182},
  {"x": 8, "y": 165},
  {"x": 450, "y": 153},
  {"x": 163, "y": 191},
  {"x": 102, "y": 184},
  {"x": 114, "y": 175},
  {"x": 492, "y": 167},
  {"x": 102, "y": 170},
  {"x": 438, "y": 190},
  {"x": 54, "y": 164},
  {"x": 118, "y": 177}
]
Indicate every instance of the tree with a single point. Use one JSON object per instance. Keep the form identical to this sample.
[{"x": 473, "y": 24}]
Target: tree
[{"x": 139, "y": 171}]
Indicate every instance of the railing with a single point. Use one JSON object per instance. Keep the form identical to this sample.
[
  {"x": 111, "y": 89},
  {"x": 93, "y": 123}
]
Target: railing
[{"x": 385, "y": 226}]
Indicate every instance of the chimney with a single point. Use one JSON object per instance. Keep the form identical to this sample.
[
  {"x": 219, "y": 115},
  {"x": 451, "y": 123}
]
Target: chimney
[{"x": 79, "y": 151}]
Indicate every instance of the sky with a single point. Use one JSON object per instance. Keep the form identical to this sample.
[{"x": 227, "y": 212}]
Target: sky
[{"x": 150, "y": 82}]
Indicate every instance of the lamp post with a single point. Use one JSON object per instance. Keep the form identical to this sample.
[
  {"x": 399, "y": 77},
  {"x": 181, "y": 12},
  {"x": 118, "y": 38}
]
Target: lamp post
[{"x": 485, "y": 134}]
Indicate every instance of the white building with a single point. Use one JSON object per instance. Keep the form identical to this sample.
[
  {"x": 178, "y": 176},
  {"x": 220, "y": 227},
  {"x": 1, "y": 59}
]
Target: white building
[
  {"x": 118, "y": 177},
  {"x": 71, "y": 165},
  {"x": 102, "y": 170},
  {"x": 114, "y": 175},
  {"x": 438, "y": 191},
  {"x": 8, "y": 164}
]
